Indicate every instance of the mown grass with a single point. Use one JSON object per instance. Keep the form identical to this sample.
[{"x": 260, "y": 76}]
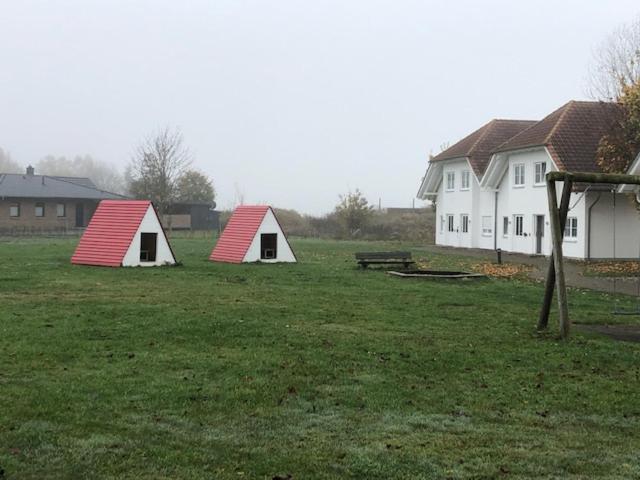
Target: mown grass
[{"x": 315, "y": 370}]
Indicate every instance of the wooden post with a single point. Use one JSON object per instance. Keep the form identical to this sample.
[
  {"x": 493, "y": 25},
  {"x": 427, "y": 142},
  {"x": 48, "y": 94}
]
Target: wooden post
[
  {"x": 550, "y": 282},
  {"x": 556, "y": 237}
]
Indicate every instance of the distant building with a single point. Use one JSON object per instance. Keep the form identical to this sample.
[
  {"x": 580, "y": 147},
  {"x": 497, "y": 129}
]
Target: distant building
[
  {"x": 192, "y": 216},
  {"x": 36, "y": 204}
]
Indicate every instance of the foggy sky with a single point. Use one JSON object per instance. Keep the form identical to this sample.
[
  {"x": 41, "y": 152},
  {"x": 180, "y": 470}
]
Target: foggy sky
[{"x": 288, "y": 102}]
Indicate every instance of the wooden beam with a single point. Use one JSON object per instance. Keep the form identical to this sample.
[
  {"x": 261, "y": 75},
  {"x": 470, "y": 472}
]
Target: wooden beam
[
  {"x": 550, "y": 282},
  {"x": 609, "y": 178},
  {"x": 556, "y": 237}
]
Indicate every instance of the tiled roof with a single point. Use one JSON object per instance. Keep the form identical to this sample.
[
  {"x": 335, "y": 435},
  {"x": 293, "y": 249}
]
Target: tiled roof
[
  {"x": 14, "y": 185},
  {"x": 237, "y": 236},
  {"x": 107, "y": 238},
  {"x": 571, "y": 134},
  {"x": 477, "y": 146}
]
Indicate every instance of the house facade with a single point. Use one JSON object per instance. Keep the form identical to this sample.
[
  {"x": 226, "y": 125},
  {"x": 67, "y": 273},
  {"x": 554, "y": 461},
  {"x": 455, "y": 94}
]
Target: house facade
[
  {"x": 507, "y": 206},
  {"x": 34, "y": 204}
]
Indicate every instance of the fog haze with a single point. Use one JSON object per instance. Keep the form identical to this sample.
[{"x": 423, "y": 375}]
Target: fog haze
[{"x": 290, "y": 103}]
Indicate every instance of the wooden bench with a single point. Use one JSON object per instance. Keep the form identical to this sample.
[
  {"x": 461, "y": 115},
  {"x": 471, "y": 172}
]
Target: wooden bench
[{"x": 384, "y": 258}]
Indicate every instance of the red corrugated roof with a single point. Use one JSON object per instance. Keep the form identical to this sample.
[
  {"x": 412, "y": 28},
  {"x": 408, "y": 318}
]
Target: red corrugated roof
[
  {"x": 237, "y": 236},
  {"x": 110, "y": 232}
]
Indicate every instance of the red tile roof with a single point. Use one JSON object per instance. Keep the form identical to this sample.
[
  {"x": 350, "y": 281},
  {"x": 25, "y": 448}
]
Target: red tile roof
[
  {"x": 478, "y": 146},
  {"x": 110, "y": 232},
  {"x": 571, "y": 134},
  {"x": 237, "y": 236}
]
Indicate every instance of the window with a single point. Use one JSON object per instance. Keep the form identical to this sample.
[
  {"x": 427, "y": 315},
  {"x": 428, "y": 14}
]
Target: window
[
  {"x": 39, "y": 209},
  {"x": 518, "y": 220},
  {"x": 450, "y": 223},
  {"x": 441, "y": 223},
  {"x": 487, "y": 228},
  {"x": 571, "y": 228},
  {"x": 14, "y": 210},
  {"x": 148, "y": 247},
  {"x": 541, "y": 169},
  {"x": 465, "y": 180},
  {"x": 451, "y": 181},
  {"x": 464, "y": 221},
  {"x": 61, "y": 210},
  {"x": 268, "y": 246},
  {"x": 518, "y": 175},
  {"x": 505, "y": 226}
]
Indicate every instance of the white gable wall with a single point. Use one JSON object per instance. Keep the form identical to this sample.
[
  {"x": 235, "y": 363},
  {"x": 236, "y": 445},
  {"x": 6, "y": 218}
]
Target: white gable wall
[
  {"x": 270, "y": 225},
  {"x": 456, "y": 202},
  {"x": 149, "y": 224}
]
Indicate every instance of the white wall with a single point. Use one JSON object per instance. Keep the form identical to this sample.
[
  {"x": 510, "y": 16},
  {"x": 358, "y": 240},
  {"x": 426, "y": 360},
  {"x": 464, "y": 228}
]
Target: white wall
[
  {"x": 456, "y": 203},
  {"x": 627, "y": 226},
  {"x": 149, "y": 224},
  {"x": 270, "y": 225}
]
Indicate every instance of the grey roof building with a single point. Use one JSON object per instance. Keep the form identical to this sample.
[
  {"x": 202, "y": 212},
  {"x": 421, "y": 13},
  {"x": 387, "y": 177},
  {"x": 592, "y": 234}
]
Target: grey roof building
[{"x": 31, "y": 203}]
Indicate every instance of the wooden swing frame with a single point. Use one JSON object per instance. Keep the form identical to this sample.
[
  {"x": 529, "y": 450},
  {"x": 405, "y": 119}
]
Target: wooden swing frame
[{"x": 558, "y": 218}]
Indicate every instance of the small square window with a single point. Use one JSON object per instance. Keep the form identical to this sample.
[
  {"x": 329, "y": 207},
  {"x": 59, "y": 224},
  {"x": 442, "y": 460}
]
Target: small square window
[
  {"x": 61, "y": 210},
  {"x": 39, "y": 210},
  {"x": 571, "y": 228},
  {"x": 14, "y": 210}
]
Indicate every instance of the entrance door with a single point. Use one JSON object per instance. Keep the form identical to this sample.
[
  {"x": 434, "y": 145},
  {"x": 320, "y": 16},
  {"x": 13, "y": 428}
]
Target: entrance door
[
  {"x": 539, "y": 233},
  {"x": 79, "y": 215},
  {"x": 148, "y": 246}
]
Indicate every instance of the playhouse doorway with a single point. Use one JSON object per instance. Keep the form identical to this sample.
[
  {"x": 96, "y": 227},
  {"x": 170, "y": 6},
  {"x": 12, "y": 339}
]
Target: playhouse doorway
[
  {"x": 148, "y": 247},
  {"x": 268, "y": 246}
]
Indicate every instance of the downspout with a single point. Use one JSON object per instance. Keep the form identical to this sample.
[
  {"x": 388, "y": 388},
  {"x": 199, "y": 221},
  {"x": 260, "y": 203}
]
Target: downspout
[
  {"x": 589, "y": 225},
  {"x": 495, "y": 221}
]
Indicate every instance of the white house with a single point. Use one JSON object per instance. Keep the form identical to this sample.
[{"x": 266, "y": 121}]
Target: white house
[{"x": 507, "y": 206}]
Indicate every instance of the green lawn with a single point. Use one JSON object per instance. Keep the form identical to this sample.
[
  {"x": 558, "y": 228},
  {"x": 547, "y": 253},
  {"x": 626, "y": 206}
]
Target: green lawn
[{"x": 314, "y": 370}]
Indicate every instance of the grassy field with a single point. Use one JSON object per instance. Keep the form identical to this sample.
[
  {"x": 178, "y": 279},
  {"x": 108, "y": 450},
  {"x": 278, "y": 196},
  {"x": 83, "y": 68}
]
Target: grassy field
[{"x": 309, "y": 371}]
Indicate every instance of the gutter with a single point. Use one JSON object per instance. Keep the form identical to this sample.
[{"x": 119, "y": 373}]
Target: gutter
[{"x": 589, "y": 224}]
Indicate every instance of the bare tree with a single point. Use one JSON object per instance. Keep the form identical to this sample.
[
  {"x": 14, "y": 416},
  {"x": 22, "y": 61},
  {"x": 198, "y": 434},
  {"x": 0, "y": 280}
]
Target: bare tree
[
  {"x": 104, "y": 175},
  {"x": 7, "y": 164},
  {"x": 157, "y": 165},
  {"x": 616, "y": 63}
]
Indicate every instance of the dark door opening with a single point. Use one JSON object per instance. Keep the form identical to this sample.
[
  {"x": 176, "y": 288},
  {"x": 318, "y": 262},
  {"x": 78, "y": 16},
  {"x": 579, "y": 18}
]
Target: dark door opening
[
  {"x": 79, "y": 215},
  {"x": 148, "y": 244},
  {"x": 539, "y": 233},
  {"x": 268, "y": 246}
]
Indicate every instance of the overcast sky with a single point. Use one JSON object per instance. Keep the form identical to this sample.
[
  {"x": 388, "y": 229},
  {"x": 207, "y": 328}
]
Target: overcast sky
[{"x": 288, "y": 102}]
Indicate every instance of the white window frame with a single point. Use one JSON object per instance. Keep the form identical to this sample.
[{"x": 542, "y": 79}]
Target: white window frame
[
  {"x": 39, "y": 209},
  {"x": 505, "y": 226},
  {"x": 518, "y": 225},
  {"x": 465, "y": 180},
  {"x": 61, "y": 207},
  {"x": 487, "y": 226},
  {"x": 450, "y": 186},
  {"x": 14, "y": 210},
  {"x": 450, "y": 224},
  {"x": 540, "y": 172},
  {"x": 518, "y": 175},
  {"x": 571, "y": 229},
  {"x": 464, "y": 222}
]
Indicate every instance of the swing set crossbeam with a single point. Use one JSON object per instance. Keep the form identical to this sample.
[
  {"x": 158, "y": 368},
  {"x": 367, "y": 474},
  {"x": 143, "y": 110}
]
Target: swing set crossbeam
[{"x": 558, "y": 217}]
